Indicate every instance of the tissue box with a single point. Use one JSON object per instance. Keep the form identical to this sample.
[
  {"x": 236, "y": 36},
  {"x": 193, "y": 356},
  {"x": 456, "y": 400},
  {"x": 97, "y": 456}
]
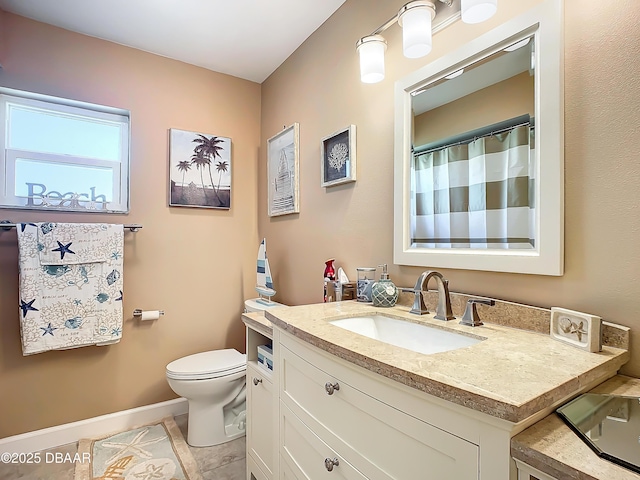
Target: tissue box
[{"x": 265, "y": 356}]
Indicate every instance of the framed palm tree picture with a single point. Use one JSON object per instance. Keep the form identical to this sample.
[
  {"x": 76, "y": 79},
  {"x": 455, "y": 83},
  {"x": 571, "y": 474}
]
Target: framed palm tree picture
[
  {"x": 199, "y": 170},
  {"x": 283, "y": 172},
  {"x": 338, "y": 157}
]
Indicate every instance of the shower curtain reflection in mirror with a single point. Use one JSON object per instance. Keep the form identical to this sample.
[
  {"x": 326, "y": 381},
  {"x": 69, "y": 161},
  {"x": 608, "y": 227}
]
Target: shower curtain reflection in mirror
[{"x": 477, "y": 195}]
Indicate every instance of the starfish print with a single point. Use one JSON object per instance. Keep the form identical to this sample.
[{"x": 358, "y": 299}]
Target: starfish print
[
  {"x": 48, "y": 329},
  {"x": 120, "y": 297},
  {"x": 26, "y": 306},
  {"x": 63, "y": 249},
  {"x": 573, "y": 328},
  {"x": 24, "y": 225},
  {"x": 152, "y": 471},
  {"x": 134, "y": 446}
]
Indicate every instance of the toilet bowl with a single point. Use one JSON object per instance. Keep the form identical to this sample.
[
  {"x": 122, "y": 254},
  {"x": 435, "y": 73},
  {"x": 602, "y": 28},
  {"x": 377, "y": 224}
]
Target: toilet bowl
[{"x": 214, "y": 385}]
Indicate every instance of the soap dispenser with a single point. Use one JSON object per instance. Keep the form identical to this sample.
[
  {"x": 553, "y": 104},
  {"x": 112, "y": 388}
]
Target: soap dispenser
[{"x": 384, "y": 293}]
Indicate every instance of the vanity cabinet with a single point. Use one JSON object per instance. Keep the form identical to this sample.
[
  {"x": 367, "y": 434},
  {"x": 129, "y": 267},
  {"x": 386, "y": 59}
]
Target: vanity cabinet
[
  {"x": 527, "y": 472},
  {"x": 260, "y": 425},
  {"x": 336, "y": 416}
]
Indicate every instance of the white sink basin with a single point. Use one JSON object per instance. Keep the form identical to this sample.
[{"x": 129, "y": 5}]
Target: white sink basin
[{"x": 412, "y": 336}]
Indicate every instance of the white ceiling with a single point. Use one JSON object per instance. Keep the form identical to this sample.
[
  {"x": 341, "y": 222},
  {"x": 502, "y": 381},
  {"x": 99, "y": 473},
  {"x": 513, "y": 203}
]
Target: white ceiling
[{"x": 244, "y": 38}]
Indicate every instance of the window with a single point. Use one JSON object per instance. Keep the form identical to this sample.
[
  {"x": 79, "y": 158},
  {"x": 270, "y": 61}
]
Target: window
[{"x": 59, "y": 154}]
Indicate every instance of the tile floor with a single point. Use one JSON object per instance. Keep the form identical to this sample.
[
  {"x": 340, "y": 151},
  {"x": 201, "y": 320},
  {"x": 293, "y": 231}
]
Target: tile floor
[{"x": 221, "y": 462}]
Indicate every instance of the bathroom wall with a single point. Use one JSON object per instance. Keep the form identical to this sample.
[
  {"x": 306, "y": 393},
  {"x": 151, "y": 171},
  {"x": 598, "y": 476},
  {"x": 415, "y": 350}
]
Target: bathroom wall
[
  {"x": 196, "y": 264},
  {"x": 319, "y": 87},
  {"x": 508, "y": 99},
  {"x": 2, "y": 36}
]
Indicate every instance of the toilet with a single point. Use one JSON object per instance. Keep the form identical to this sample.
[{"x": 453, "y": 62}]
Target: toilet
[{"x": 213, "y": 383}]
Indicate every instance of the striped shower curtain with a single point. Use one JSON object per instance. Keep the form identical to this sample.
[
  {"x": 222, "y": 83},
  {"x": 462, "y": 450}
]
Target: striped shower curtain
[{"x": 476, "y": 195}]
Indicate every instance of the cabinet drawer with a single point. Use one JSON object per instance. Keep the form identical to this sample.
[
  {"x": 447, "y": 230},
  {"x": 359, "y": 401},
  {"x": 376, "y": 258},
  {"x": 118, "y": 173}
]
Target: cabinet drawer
[
  {"x": 386, "y": 443},
  {"x": 304, "y": 454}
]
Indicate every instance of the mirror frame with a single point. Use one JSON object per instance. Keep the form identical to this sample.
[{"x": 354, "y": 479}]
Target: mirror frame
[{"x": 545, "y": 22}]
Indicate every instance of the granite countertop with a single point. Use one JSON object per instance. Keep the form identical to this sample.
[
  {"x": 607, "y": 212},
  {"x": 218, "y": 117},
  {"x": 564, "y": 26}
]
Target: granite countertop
[
  {"x": 511, "y": 374},
  {"x": 257, "y": 322},
  {"x": 553, "y": 448}
]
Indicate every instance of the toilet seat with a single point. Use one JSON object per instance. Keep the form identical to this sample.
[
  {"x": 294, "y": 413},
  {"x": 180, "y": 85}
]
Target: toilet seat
[{"x": 206, "y": 365}]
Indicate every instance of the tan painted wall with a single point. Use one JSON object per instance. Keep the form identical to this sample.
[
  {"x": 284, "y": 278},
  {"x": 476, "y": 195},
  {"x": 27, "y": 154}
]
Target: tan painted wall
[
  {"x": 196, "y": 264},
  {"x": 508, "y": 99},
  {"x": 2, "y": 37},
  {"x": 319, "y": 87}
]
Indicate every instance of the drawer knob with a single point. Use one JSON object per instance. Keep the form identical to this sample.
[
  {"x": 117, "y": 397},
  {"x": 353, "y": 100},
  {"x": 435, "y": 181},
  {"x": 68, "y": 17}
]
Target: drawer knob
[
  {"x": 331, "y": 387},
  {"x": 256, "y": 381},
  {"x": 329, "y": 464}
]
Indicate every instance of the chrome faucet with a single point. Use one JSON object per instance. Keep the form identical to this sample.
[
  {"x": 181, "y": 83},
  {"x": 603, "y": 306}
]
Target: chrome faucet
[{"x": 443, "y": 307}]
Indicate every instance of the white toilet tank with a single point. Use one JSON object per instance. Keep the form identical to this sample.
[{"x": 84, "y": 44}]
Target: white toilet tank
[{"x": 253, "y": 305}]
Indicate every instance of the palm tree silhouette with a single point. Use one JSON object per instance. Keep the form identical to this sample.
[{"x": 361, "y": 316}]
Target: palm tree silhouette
[
  {"x": 200, "y": 161},
  {"x": 183, "y": 167},
  {"x": 209, "y": 148},
  {"x": 221, "y": 167}
]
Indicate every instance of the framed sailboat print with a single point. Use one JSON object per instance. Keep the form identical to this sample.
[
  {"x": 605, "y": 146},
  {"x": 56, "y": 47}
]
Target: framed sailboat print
[{"x": 283, "y": 172}]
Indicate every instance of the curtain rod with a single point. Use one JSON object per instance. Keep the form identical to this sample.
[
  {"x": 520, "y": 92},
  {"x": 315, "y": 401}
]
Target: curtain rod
[
  {"x": 134, "y": 227},
  {"x": 474, "y": 134}
]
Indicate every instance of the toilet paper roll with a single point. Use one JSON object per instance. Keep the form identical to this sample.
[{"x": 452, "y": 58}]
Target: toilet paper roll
[{"x": 150, "y": 315}]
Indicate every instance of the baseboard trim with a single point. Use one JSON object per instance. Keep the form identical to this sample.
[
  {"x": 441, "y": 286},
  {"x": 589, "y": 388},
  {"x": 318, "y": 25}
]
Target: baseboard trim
[{"x": 92, "y": 427}]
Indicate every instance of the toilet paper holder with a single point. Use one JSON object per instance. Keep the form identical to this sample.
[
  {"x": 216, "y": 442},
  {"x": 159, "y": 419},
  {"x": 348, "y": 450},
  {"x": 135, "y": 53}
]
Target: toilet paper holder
[{"x": 138, "y": 312}]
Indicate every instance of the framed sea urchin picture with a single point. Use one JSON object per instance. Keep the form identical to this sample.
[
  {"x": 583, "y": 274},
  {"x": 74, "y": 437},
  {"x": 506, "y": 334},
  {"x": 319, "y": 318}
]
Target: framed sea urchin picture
[
  {"x": 283, "y": 171},
  {"x": 199, "y": 170},
  {"x": 338, "y": 157}
]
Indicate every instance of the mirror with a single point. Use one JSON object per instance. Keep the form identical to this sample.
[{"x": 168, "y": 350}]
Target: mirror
[
  {"x": 608, "y": 424},
  {"x": 479, "y": 153}
]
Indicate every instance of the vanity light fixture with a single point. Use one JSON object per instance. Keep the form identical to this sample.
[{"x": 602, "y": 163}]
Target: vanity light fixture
[{"x": 416, "y": 19}]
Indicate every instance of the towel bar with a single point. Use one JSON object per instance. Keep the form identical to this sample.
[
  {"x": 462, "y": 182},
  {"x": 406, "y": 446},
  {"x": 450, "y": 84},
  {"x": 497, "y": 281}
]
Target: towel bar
[{"x": 6, "y": 225}]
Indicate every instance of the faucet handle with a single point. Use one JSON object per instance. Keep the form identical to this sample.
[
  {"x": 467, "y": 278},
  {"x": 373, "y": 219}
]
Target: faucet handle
[{"x": 470, "y": 316}]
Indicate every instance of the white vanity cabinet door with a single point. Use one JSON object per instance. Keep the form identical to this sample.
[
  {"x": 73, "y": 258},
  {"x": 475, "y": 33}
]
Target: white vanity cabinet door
[
  {"x": 380, "y": 441},
  {"x": 306, "y": 456},
  {"x": 260, "y": 435},
  {"x": 527, "y": 472},
  {"x": 254, "y": 472}
]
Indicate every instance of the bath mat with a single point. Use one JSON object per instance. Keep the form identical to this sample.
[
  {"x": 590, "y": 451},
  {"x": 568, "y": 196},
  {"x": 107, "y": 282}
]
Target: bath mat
[{"x": 155, "y": 451}]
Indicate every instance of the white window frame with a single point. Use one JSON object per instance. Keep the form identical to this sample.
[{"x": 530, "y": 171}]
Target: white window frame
[{"x": 119, "y": 196}]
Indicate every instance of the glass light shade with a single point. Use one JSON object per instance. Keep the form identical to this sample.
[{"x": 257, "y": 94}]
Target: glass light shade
[
  {"x": 416, "y": 31},
  {"x": 476, "y": 11},
  {"x": 371, "y": 50}
]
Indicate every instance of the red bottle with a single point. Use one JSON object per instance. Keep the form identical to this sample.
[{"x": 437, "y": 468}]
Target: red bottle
[
  {"x": 329, "y": 275},
  {"x": 329, "y": 271}
]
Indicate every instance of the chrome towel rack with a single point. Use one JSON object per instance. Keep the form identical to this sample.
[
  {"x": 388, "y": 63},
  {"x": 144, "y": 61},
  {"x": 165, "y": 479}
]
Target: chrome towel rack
[{"x": 6, "y": 225}]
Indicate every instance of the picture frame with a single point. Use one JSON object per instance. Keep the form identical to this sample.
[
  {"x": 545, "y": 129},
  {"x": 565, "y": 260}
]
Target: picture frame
[
  {"x": 199, "y": 170},
  {"x": 283, "y": 171},
  {"x": 338, "y": 157}
]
